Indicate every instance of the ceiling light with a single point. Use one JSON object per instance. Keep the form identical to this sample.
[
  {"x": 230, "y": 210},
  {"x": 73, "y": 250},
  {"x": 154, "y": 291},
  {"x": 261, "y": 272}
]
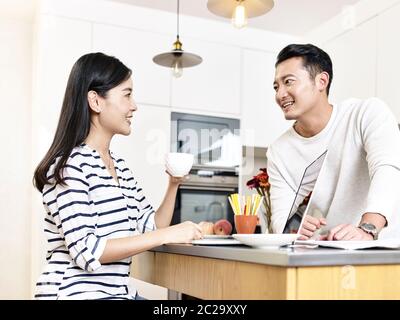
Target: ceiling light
[
  {"x": 239, "y": 10},
  {"x": 177, "y": 59}
]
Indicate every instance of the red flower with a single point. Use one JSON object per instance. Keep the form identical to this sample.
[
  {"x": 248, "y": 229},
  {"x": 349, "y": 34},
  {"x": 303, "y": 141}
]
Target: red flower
[
  {"x": 261, "y": 184},
  {"x": 260, "y": 180}
]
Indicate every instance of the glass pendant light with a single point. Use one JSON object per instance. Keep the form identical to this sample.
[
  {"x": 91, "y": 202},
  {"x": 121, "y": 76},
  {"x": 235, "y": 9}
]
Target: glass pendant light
[
  {"x": 239, "y": 10},
  {"x": 177, "y": 59}
]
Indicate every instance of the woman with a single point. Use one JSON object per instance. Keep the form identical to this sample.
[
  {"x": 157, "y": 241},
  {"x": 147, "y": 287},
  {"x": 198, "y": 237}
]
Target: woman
[{"x": 96, "y": 215}]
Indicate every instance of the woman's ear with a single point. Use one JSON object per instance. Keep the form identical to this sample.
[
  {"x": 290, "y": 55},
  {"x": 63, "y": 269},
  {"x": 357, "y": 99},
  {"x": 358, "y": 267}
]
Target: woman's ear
[
  {"x": 93, "y": 100},
  {"x": 322, "y": 81}
]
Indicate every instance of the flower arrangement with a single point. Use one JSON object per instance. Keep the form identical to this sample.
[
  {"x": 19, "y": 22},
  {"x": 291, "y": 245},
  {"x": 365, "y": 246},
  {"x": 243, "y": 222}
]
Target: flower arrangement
[{"x": 261, "y": 184}]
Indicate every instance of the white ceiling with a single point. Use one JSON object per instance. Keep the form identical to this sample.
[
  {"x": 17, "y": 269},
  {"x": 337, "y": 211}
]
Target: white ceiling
[{"x": 295, "y": 17}]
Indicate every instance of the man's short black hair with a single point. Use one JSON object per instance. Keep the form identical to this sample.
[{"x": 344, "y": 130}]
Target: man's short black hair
[{"x": 315, "y": 60}]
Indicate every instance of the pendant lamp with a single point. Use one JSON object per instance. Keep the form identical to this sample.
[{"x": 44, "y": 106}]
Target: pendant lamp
[
  {"x": 177, "y": 59},
  {"x": 239, "y": 10}
]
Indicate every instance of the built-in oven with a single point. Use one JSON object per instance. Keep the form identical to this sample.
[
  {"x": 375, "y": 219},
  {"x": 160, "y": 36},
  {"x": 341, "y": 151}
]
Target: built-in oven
[{"x": 204, "y": 195}]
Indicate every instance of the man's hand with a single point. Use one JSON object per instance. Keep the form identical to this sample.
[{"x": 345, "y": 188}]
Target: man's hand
[
  {"x": 309, "y": 226},
  {"x": 347, "y": 232}
]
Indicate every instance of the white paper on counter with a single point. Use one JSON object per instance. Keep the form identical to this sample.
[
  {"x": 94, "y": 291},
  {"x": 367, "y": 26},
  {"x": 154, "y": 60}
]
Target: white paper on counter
[
  {"x": 353, "y": 245},
  {"x": 220, "y": 242}
]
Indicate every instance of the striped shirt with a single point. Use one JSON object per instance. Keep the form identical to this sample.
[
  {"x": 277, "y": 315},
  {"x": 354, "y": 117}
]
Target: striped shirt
[{"x": 79, "y": 219}]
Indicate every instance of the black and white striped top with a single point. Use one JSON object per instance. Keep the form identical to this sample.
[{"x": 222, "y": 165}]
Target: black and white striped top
[{"x": 80, "y": 217}]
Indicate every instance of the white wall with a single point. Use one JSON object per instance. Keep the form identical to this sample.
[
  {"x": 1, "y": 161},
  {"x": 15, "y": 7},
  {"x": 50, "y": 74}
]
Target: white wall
[
  {"x": 15, "y": 126},
  {"x": 362, "y": 42}
]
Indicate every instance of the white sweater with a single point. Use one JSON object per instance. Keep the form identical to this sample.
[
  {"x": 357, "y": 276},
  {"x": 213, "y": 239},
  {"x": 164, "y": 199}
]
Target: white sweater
[{"x": 361, "y": 172}]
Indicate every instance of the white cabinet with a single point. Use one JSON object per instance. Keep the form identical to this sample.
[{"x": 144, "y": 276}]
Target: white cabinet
[
  {"x": 136, "y": 49},
  {"x": 388, "y": 59},
  {"x": 262, "y": 119},
  {"x": 212, "y": 86},
  {"x": 145, "y": 148},
  {"x": 353, "y": 56}
]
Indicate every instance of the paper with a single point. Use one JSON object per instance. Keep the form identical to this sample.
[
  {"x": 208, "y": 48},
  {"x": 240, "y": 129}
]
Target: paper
[
  {"x": 217, "y": 236},
  {"x": 353, "y": 245},
  {"x": 223, "y": 242}
]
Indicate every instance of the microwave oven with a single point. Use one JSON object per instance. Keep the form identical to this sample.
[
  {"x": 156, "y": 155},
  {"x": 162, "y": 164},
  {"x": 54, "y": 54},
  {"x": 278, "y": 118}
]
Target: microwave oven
[{"x": 214, "y": 141}]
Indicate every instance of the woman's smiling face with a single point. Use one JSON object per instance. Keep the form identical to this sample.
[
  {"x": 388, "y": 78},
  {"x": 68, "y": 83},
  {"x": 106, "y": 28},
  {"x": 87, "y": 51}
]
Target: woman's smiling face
[{"x": 117, "y": 109}]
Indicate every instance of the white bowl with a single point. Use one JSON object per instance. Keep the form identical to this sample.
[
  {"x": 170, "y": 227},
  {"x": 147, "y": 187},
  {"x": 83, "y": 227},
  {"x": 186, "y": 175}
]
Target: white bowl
[
  {"x": 179, "y": 164},
  {"x": 262, "y": 240}
]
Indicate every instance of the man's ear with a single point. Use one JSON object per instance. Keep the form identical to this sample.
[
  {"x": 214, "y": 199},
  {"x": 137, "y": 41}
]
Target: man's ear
[
  {"x": 322, "y": 81},
  {"x": 93, "y": 101}
]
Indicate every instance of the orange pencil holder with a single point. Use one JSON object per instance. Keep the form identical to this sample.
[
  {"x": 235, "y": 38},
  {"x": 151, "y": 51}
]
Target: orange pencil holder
[{"x": 245, "y": 223}]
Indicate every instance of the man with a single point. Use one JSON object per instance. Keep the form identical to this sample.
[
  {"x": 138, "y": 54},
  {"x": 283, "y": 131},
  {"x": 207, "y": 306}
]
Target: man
[{"x": 358, "y": 187}]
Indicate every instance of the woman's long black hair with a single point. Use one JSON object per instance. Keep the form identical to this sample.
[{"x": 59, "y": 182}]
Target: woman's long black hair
[{"x": 93, "y": 71}]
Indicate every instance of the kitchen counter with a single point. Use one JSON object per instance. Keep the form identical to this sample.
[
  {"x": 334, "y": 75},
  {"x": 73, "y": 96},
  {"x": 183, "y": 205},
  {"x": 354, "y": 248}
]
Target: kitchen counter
[
  {"x": 241, "y": 272},
  {"x": 289, "y": 257}
]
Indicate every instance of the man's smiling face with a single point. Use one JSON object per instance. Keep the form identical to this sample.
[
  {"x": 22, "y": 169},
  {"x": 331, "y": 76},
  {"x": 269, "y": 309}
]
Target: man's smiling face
[{"x": 295, "y": 91}]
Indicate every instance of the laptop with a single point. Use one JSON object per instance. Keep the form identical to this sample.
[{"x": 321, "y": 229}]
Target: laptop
[{"x": 301, "y": 208}]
